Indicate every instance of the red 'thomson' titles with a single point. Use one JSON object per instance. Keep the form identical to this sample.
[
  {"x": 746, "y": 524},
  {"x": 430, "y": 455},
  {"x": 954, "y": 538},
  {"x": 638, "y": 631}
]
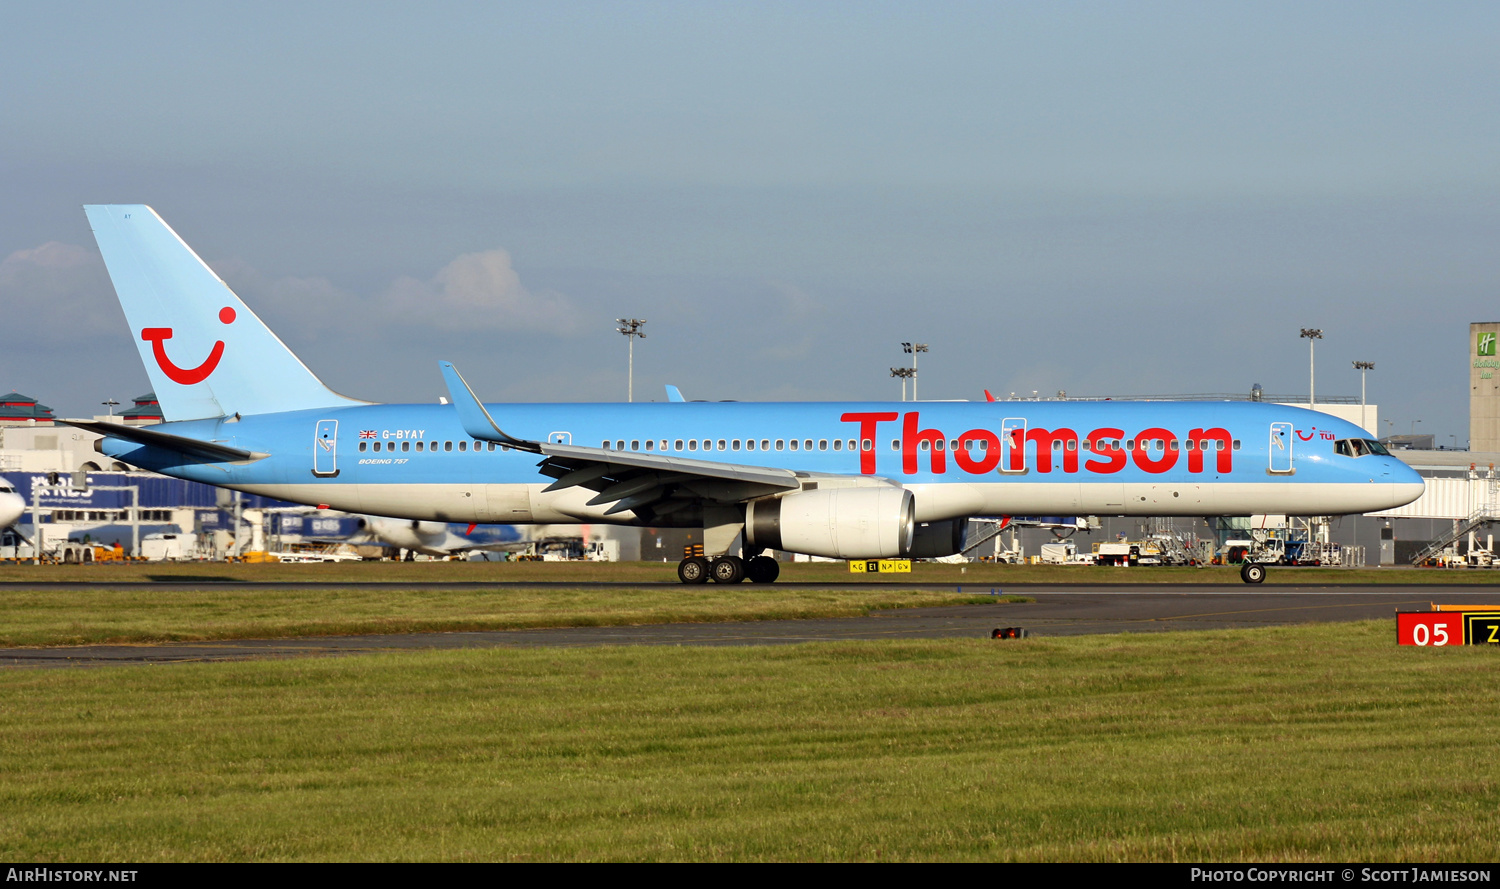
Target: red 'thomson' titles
[{"x": 1154, "y": 450}]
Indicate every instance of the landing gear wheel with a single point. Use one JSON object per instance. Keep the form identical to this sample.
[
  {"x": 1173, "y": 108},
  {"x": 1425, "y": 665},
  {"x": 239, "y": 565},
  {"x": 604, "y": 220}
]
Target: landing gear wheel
[
  {"x": 762, "y": 569},
  {"x": 694, "y": 570},
  {"x": 729, "y": 569},
  {"x": 1252, "y": 573}
]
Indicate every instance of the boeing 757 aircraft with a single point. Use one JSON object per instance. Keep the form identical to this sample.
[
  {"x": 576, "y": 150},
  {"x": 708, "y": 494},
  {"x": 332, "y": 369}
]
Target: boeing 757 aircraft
[{"x": 846, "y": 480}]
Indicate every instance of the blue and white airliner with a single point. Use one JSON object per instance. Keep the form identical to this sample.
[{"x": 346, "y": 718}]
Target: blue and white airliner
[{"x": 857, "y": 480}]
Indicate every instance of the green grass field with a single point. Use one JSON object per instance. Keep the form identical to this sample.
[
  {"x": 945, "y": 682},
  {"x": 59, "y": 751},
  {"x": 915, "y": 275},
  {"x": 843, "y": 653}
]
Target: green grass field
[
  {"x": 1307, "y": 743},
  {"x": 662, "y": 572}
]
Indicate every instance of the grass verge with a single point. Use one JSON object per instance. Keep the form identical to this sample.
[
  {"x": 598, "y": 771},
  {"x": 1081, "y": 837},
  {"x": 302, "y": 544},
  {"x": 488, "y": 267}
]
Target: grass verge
[
  {"x": 85, "y": 616},
  {"x": 1308, "y": 743}
]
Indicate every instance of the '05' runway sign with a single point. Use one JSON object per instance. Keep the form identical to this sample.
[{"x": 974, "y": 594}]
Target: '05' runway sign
[{"x": 1442, "y": 628}]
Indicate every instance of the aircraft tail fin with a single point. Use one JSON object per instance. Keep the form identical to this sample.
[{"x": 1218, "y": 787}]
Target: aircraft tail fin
[{"x": 206, "y": 353}]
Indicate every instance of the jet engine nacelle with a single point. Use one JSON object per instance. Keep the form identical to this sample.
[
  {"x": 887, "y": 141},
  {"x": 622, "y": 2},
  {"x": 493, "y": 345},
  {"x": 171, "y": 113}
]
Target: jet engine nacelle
[
  {"x": 934, "y": 539},
  {"x": 840, "y": 523},
  {"x": 422, "y": 536}
]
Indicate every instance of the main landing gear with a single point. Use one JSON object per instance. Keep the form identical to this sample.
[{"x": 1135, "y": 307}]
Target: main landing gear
[
  {"x": 1250, "y": 572},
  {"x": 728, "y": 569}
]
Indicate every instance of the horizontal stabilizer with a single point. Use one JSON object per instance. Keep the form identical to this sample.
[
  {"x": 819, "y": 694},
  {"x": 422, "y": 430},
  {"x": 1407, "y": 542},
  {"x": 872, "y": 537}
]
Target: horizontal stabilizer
[{"x": 207, "y": 451}]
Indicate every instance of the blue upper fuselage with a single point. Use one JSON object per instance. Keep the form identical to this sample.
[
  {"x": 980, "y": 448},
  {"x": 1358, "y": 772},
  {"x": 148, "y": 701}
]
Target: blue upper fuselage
[{"x": 912, "y": 443}]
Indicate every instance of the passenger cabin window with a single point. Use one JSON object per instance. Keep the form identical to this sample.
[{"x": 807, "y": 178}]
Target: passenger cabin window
[
  {"x": 734, "y": 445},
  {"x": 794, "y": 444},
  {"x": 765, "y": 444},
  {"x": 650, "y": 443},
  {"x": 447, "y": 446},
  {"x": 692, "y": 444},
  {"x": 362, "y": 445},
  {"x": 463, "y": 445},
  {"x": 780, "y": 443},
  {"x": 405, "y": 445},
  {"x": 419, "y": 446},
  {"x": 822, "y": 444},
  {"x": 635, "y": 444},
  {"x": 677, "y": 445}
]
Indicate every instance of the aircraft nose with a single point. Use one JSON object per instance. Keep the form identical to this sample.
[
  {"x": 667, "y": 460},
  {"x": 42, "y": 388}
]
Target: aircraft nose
[
  {"x": 1406, "y": 484},
  {"x": 11, "y": 509}
]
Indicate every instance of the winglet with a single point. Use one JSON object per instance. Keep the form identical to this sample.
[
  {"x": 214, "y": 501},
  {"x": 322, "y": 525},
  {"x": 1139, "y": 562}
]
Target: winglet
[
  {"x": 477, "y": 421},
  {"x": 988, "y": 396},
  {"x": 673, "y": 394}
]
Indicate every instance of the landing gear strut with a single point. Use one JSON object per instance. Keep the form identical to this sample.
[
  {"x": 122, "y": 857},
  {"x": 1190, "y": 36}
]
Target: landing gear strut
[{"x": 1252, "y": 573}]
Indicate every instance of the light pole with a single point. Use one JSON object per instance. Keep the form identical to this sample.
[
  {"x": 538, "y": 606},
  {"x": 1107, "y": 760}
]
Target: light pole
[
  {"x": 1311, "y": 334},
  {"x": 912, "y": 349},
  {"x": 1362, "y": 367},
  {"x": 631, "y": 327},
  {"x": 111, "y": 405},
  {"x": 905, "y": 373}
]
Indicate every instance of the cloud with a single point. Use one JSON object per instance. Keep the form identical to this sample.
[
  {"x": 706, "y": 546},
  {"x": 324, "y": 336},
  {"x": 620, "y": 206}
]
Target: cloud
[
  {"x": 476, "y": 291},
  {"x": 57, "y": 291},
  {"x": 480, "y": 291}
]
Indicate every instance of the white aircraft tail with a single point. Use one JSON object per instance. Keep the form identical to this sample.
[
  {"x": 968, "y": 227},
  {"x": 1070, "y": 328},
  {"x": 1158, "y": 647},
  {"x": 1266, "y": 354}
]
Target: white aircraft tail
[{"x": 206, "y": 353}]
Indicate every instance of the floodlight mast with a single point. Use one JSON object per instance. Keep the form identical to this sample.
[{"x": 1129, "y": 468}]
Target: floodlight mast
[
  {"x": 631, "y": 327},
  {"x": 1311, "y": 334},
  {"x": 1362, "y": 367},
  {"x": 912, "y": 349},
  {"x": 905, "y": 373}
]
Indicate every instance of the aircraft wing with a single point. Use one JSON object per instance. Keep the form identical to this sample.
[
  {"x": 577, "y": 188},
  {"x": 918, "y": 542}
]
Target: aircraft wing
[
  {"x": 632, "y": 481},
  {"x": 653, "y": 484}
]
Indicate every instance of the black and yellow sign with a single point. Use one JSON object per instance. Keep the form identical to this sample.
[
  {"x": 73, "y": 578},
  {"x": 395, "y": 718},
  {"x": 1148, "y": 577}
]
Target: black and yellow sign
[
  {"x": 1482, "y": 628},
  {"x": 880, "y": 566}
]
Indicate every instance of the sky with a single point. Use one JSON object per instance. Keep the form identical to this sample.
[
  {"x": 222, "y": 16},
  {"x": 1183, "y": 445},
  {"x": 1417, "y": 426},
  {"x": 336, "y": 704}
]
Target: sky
[{"x": 1099, "y": 198}]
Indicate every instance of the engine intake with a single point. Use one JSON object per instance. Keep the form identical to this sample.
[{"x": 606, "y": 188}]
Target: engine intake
[{"x": 839, "y": 523}]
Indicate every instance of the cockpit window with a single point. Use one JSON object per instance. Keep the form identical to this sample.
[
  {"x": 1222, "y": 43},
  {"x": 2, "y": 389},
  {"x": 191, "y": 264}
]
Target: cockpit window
[{"x": 1359, "y": 447}]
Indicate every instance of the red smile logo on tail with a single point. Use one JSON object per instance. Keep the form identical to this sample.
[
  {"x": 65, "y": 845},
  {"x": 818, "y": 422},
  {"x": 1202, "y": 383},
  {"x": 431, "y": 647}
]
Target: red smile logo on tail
[{"x": 187, "y": 376}]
